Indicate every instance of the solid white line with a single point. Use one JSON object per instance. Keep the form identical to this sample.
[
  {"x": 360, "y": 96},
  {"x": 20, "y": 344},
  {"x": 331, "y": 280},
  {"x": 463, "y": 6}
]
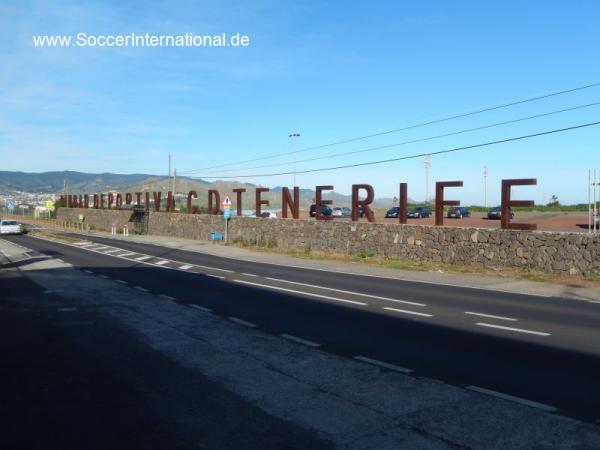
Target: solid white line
[
  {"x": 346, "y": 292},
  {"x": 167, "y": 297},
  {"x": 383, "y": 364},
  {"x": 143, "y": 258},
  {"x": 186, "y": 267},
  {"x": 490, "y": 316},
  {"x": 160, "y": 263},
  {"x": 201, "y": 308},
  {"x": 408, "y": 312},
  {"x": 277, "y": 288},
  {"x": 248, "y": 274},
  {"x": 518, "y": 330},
  {"x": 121, "y": 281},
  {"x": 300, "y": 340},
  {"x": 242, "y": 322},
  {"x": 139, "y": 288},
  {"x": 214, "y": 268},
  {"x": 523, "y": 401}
]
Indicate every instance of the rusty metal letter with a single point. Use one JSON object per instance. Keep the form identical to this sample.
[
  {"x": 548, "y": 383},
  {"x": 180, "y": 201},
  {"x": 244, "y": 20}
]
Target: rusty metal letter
[
  {"x": 102, "y": 200},
  {"x": 214, "y": 194},
  {"x": 157, "y": 196},
  {"x": 238, "y": 200},
  {"x": 192, "y": 209},
  {"x": 259, "y": 202},
  {"x": 170, "y": 202},
  {"x": 128, "y": 198},
  {"x": 86, "y": 201},
  {"x": 138, "y": 197},
  {"x": 287, "y": 202},
  {"x": 364, "y": 203},
  {"x": 147, "y": 201},
  {"x": 403, "y": 203},
  {"x": 440, "y": 202},
  {"x": 507, "y": 203},
  {"x": 119, "y": 201},
  {"x": 96, "y": 201},
  {"x": 111, "y": 200},
  {"x": 319, "y": 201}
]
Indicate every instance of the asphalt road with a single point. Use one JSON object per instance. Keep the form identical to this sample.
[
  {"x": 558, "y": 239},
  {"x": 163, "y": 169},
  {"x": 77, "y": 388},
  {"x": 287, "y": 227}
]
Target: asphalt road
[{"x": 537, "y": 349}]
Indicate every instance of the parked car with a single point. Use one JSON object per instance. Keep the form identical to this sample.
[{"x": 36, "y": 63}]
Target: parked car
[
  {"x": 419, "y": 212},
  {"x": 10, "y": 227},
  {"x": 341, "y": 211},
  {"x": 459, "y": 212},
  {"x": 392, "y": 213},
  {"x": 496, "y": 213},
  {"x": 325, "y": 210},
  {"x": 268, "y": 215}
]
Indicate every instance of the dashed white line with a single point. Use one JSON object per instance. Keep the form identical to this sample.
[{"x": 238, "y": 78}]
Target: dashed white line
[
  {"x": 88, "y": 271},
  {"x": 108, "y": 252},
  {"x": 198, "y": 307},
  {"x": 167, "y": 297},
  {"x": 517, "y": 330},
  {"x": 383, "y": 364},
  {"x": 300, "y": 340},
  {"x": 346, "y": 292},
  {"x": 242, "y": 322},
  {"x": 127, "y": 254},
  {"x": 218, "y": 277},
  {"x": 121, "y": 281},
  {"x": 277, "y": 288},
  {"x": 160, "y": 263},
  {"x": 106, "y": 277},
  {"x": 139, "y": 288},
  {"x": 66, "y": 309},
  {"x": 143, "y": 258},
  {"x": 404, "y": 311},
  {"x": 249, "y": 274},
  {"x": 186, "y": 267},
  {"x": 523, "y": 401},
  {"x": 53, "y": 291},
  {"x": 490, "y": 316}
]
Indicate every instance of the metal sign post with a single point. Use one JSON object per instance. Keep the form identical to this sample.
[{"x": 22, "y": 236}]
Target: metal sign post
[{"x": 226, "y": 214}]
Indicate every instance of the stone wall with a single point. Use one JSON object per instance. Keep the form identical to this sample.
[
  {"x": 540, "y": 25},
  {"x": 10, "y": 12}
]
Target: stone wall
[{"x": 544, "y": 251}]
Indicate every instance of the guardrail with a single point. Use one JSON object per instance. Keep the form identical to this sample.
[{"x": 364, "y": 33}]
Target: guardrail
[{"x": 49, "y": 223}]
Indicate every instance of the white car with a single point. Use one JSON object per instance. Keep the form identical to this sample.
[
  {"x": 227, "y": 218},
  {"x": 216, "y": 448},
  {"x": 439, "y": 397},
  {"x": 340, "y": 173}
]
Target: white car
[{"x": 10, "y": 227}]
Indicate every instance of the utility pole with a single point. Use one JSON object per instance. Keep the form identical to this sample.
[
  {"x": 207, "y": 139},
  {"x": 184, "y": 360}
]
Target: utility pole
[
  {"x": 427, "y": 164},
  {"x": 169, "y": 174},
  {"x": 174, "y": 186},
  {"x": 485, "y": 175},
  {"x": 292, "y": 136},
  {"x": 65, "y": 192}
]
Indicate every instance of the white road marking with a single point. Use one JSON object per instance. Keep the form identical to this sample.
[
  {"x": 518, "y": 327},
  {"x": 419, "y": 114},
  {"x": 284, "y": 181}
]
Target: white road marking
[
  {"x": 106, "y": 277},
  {"x": 242, "y": 322},
  {"x": 218, "y": 277},
  {"x": 404, "y": 311},
  {"x": 490, "y": 316},
  {"x": 53, "y": 291},
  {"x": 167, "y": 297},
  {"x": 128, "y": 254},
  {"x": 59, "y": 260},
  {"x": 249, "y": 274},
  {"x": 160, "y": 263},
  {"x": 214, "y": 268},
  {"x": 87, "y": 271},
  {"x": 523, "y": 401},
  {"x": 66, "y": 309},
  {"x": 518, "y": 330},
  {"x": 300, "y": 340},
  {"x": 139, "y": 288},
  {"x": 383, "y": 364},
  {"x": 121, "y": 281},
  {"x": 108, "y": 252},
  {"x": 143, "y": 258},
  {"x": 277, "y": 288},
  {"x": 201, "y": 308},
  {"x": 346, "y": 292},
  {"x": 186, "y": 267}
]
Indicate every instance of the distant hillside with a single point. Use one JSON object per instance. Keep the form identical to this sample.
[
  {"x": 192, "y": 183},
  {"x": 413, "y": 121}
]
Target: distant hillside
[
  {"x": 89, "y": 183},
  {"x": 78, "y": 182}
]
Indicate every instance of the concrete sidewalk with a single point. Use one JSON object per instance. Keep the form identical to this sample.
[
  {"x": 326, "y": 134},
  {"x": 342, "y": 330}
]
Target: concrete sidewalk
[{"x": 444, "y": 278}]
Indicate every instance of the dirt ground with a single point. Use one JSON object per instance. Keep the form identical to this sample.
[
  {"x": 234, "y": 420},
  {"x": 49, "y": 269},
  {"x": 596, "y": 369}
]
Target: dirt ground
[{"x": 546, "y": 221}]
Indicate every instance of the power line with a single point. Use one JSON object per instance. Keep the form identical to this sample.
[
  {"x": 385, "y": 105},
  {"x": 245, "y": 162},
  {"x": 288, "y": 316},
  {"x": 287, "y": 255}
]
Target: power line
[
  {"x": 414, "y": 141},
  {"x": 409, "y": 127},
  {"x": 439, "y": 152}
]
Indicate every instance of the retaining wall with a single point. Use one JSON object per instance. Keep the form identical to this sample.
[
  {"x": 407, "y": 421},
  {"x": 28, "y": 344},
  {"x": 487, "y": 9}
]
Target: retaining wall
[{"x": 544, "y": 251}]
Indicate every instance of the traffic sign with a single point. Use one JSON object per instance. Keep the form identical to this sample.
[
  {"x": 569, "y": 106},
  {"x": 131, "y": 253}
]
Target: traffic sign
[{"x": 227, "y": 202}]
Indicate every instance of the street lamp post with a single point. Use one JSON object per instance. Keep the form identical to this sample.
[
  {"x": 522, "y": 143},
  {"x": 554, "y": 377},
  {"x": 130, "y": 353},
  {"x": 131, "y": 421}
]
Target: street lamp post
[{"x": 292, "y": 136}]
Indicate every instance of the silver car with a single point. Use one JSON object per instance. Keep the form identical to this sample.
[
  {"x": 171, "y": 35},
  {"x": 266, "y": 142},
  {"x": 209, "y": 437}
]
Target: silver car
[{"x": 10, "y": 227}]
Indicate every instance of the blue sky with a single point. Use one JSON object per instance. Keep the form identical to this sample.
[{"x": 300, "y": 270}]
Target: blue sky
[{"x": 328, "y": 70}]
